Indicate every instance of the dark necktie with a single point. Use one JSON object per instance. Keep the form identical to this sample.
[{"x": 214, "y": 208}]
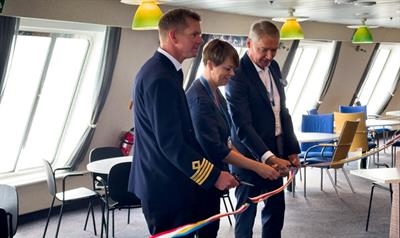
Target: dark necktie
[{"x": 180, "y": 77}]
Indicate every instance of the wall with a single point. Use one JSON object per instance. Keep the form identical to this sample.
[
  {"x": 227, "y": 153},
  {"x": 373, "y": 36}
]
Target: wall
[{"x": 137, "y": 46}]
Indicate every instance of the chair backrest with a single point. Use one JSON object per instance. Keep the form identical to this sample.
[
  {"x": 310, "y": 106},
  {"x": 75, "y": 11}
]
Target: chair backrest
[
  {"x": 361, "y": 137},
  {"x": 51, "y": 180},
  {"x": 100, "y": 153},
  {"x": 9, "y": 203},
  {"x": 344, "y": 143},
  {"x": 118, "y": 185},
  {"x": 316, "y": 123},
  {"x": 312, "y": 111},
  {"x": 353, "y": 109}
]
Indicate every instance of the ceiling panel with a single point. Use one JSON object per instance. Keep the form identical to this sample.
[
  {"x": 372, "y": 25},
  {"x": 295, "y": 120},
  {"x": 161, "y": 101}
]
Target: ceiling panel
[{"x": 385, "y": 13}]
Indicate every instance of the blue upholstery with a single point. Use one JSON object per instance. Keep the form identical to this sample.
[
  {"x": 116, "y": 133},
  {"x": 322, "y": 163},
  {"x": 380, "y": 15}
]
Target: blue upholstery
[
  {"x": 316, "y": 123},
  {"x": 313, "y": 111},
  {"x": 353, "y": 109}
]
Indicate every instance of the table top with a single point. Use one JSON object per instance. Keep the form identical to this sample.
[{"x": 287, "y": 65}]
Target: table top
[
  {"x": 393, "y": 113},
  {"x": 382, "y": 175},
  {"x": 315, "y": 136},
  {"x": 381, "y": 122},
  {"x": 103, "y": 166}
]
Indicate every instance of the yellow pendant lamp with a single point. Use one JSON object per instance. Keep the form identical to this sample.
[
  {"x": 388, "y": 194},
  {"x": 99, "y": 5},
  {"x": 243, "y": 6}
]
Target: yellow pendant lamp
[
  {"x": 291, "y": 29},
  {"x": 147, "y": 15}
]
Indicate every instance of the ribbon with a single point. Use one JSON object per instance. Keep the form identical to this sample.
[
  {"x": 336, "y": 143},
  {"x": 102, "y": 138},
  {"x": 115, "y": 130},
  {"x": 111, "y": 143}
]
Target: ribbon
[
  {"x": 189, "y": 228},
  {"x": 360, "y": 156}
]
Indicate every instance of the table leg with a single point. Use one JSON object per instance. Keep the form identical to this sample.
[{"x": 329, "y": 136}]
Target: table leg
[{"x": 394, "y": 219}]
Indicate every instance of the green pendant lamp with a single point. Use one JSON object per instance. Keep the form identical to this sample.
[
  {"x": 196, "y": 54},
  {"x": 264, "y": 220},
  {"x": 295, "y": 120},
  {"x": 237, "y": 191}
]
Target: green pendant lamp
[
  {"x": 362, "y": 35},
  {"x": 291, "y": 29},
  {"x": 147, "y": 16}
]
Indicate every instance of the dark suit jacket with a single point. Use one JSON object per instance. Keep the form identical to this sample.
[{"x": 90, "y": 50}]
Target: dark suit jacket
[
  {"x": 209, "y": 122},
  {"x": 252, "y": 115},
  {"x": 167, "y": 160}
]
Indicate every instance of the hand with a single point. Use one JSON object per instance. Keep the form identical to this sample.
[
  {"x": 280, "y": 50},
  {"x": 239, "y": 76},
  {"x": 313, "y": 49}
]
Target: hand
[
  {"x": 226, "y": 181},
  {"x": 280, "y": 165},
  {"x": 294, "y": 160},
  {"x": 267, "y": 172}
]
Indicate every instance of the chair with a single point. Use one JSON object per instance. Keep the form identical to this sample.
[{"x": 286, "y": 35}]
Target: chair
[
  {"x": 226, "y": 196},
  {"x": 316, "y": 123},
  {"x": 373, "y": 131},
  {"x": 341, "y": 148},
  {"x": 312, "y": 111},
  {"x": 8, "y": 211},
  {"x": 100, "y": 153},
  {"x": 361, "y": 139},
  {"x": 66, "y": 196},
  {"x": 116, "y": 194}
]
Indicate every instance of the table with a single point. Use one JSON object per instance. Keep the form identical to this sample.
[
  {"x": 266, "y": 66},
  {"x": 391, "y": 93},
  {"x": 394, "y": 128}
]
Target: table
[
  {"x": 315, "y": 136},
  {"x": 381, "y": 122},
  {"x": 103, "y": 166},
  {"x": 393, "y": 113},
  {"x": 386, "y": 175}
]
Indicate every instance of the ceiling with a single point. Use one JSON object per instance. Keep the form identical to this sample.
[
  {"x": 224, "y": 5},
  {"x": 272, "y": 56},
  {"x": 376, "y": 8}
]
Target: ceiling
[{"x": 384, "y": 13}]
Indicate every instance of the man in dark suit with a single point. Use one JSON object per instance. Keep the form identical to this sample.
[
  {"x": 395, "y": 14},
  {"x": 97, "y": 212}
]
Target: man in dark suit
[
  {"x": 168, "y": 163},
  {"x": 263, "y": 128}
]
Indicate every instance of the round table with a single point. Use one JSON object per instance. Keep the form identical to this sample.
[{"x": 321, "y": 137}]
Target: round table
[
  {"x": 103, "y": 166},
  {"x": 315, "y": 136}
]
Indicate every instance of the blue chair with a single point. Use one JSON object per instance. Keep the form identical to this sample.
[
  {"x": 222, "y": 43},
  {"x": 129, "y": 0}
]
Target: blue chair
[
  {"x": 312, "y": 111},
  {"x": 316, "y": 123},
  {"x": 371, "y": 136}
]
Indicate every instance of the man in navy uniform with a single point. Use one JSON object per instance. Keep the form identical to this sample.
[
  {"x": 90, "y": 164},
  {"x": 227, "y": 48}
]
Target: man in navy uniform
[{"x": 168, "y": 163}]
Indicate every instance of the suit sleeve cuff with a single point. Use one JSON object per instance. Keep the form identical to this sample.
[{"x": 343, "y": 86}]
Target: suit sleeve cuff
[{"x": 266, "y": 156}]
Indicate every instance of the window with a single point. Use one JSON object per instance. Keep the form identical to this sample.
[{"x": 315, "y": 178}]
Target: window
[
  {"x": 380, "y": 82},
  {"x": 48, "y": 94},
  {"x": 307, "y": 76}
]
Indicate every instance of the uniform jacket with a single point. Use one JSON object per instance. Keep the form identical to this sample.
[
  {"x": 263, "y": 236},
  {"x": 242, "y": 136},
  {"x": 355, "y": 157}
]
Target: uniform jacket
[
  {"x": 167, "y": 159},
  {"x": 209, "y": 121}
]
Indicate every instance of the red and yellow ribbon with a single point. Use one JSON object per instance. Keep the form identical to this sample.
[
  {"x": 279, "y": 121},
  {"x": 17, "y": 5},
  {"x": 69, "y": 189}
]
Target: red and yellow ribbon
[{"x": 189, "y": 228}]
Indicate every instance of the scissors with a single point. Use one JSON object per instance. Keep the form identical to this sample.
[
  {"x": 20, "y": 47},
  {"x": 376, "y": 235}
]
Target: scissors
[{"x": 243, "y": 182}]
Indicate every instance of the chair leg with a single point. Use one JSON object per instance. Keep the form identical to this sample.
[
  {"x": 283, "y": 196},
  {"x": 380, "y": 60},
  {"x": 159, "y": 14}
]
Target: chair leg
[
  {"x": 113, "y": 224},
  {"x": 129, "y": 215},
  {"x": 322, "y": 179},
  {"x": 59, "y": 219},
  {"x": 333, "y": 183},
  {"x": 48, "y": 217},
  {"x": 348, "y": 180},
  {"x": 369, "y": 206},
  {"x": 90, "y": 212},
  {"x": 304, "y": 182}
]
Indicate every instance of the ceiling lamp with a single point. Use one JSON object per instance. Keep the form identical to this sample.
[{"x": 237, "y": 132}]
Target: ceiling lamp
[
  {"x": 362, "y": 35},
  {"x": 147, "y": 15},
  {"x": 291, "y": 29}
]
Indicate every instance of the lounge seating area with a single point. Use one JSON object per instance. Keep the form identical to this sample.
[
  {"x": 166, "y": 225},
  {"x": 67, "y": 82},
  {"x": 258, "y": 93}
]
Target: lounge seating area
[{"x": 320, "y": 214}]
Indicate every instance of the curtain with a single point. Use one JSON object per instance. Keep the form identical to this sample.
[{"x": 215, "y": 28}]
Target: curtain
[
  {"x": 111, "y": 46},
  {"x": 8, "y": 33}
]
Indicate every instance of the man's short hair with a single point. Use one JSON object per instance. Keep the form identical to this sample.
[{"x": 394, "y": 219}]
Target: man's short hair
[
  {"x": 176, "y": 18},
  {"x": 263, "y": 27}
]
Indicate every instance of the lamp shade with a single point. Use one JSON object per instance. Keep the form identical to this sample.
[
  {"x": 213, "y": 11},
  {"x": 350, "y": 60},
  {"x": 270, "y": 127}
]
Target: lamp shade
[
  {"x": 147, "y": 16},
  {"x": 291, "y": 30},
  {"x": 362, "y": 36}
]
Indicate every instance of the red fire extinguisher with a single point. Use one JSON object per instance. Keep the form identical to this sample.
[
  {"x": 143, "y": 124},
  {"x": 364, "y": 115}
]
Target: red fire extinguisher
[{"x": 127, "y": 141}]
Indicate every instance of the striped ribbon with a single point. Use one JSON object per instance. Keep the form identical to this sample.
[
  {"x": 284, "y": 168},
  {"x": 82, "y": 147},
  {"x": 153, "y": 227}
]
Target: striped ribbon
[{"x": 189, "y": 228}]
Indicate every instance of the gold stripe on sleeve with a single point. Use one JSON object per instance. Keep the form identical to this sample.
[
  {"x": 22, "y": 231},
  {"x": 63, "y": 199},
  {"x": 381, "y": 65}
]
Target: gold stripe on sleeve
[{"x": 202, "y": 171}]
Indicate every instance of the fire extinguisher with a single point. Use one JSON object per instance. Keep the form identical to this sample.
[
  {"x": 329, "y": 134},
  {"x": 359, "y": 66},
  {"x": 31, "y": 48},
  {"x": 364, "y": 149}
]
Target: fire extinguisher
[{"x": 127, "y": 141}]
